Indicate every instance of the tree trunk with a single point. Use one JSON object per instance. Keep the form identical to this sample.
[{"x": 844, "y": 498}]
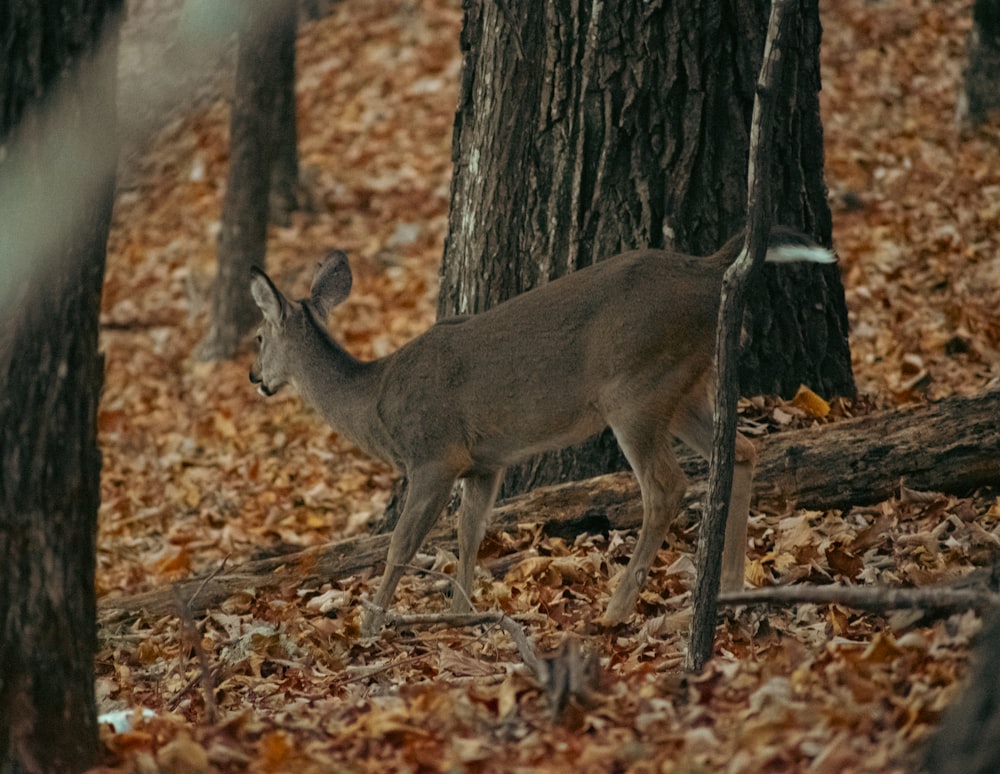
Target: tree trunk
[
  {"x": 951, "y": 446},
  {"x": 981, "y": 94},
  {"x": 586, "y": 129},
  {"x": 254, "y": 145},
  {"x": 966, "y": 742},
  {"x": 58, "y": 87},
  {"x": 316, "y": 9},
  {"x": 284, "y": 197}
]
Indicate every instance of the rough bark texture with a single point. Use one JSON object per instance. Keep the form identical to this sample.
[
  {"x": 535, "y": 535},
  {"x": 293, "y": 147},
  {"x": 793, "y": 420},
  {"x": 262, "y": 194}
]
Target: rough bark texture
[
  {"x": 951, "y": 446},
  {"x": 586, "y": 129},
  {"x": 58, "y": 76},
  {"x": 254, "y": 145},
  {"x": 982, "y": 72}
]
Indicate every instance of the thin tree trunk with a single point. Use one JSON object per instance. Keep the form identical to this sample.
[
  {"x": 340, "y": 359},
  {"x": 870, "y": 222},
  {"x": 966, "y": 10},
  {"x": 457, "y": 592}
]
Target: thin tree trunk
[
  {"x": 586, "y": 129},
  {"x": 736, "y": 282},
  {"x": 284, "y": 197},
  {"x": 253, "y": 150},
  {"x": 50, "y": 380}
]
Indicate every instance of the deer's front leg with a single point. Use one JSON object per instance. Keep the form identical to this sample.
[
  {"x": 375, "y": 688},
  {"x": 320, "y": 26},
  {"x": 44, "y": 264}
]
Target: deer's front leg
[{"x": 429, "y": 490}]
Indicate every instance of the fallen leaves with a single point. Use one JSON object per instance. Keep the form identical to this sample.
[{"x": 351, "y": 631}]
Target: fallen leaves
[{"x": 916, "y": 225}]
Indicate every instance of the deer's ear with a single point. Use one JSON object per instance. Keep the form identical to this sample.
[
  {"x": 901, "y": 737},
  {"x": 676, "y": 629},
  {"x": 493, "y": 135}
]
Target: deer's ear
[
  {"x": 332, "y": 283},
  {"x": 272, "y": 304}
]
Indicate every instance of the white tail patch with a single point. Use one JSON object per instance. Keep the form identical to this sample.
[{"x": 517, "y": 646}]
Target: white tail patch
[{"x": 799, "y": 254}]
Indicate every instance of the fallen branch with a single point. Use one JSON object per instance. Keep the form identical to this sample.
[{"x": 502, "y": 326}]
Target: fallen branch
[{"x": 871, "y": 599}]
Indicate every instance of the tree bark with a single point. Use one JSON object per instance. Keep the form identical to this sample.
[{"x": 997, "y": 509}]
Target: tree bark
[
  {"x": 284, "y": 197},
  {"x": 58, "y": 82},
  {"x": 254, "y": 125},
  {"x": 950, "y": 446},
  {"x": 586, "y": 129},
  {"x": 981, "y": 86},
  {"x": 966, "y": 743}
]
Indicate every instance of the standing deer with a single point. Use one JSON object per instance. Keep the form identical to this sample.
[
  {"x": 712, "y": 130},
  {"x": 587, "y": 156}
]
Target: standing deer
[{"x": 627, "y": 342}]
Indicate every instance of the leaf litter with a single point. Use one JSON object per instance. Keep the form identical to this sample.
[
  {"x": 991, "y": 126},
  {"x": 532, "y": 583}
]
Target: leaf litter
[{"x": 200, "y": 472}]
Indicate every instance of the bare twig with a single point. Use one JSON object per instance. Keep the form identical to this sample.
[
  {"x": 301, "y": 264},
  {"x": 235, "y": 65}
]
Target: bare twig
[
  {"x": 568, "y": 676},
  {"x": 363, "y": 673},
  {"x": 190, "y": 602},
  {"x": 573, "y": 674},
  {"x": 456, "y": 587},
  {"x": 491, "y": 617},
  {"x": 198, "y": 677},
  {"x": 735, "y": 282},
  {"x": 529, "y": 654},
  {"x": 189, "y": 631},
  {"x": 445, "y": 618}
]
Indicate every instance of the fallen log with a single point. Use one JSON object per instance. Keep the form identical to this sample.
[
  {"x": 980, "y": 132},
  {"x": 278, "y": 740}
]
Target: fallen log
[
  {"x": 951, "y": 446},
  {"x": 870, "y": 599}
]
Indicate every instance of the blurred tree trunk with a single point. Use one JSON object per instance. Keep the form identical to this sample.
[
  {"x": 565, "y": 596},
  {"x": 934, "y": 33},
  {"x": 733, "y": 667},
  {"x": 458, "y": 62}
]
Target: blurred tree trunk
[
  {"x": 57, "y": 90},
  {"x": 284, "y": 198},
  {"x": 261, "y": 105},
  {"x": 586, "y": 129},
  {"x": 316, "y": 9},
  {"x": 966, "y": 742},
  {"x": 981, "y": 94}
]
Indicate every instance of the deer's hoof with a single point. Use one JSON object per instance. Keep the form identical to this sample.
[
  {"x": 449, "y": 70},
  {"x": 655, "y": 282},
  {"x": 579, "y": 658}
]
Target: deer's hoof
[{"x": 372, "y": 623}]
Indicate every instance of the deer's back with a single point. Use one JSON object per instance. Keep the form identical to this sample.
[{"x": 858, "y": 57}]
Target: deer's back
[{"x": 544, "y": 369}]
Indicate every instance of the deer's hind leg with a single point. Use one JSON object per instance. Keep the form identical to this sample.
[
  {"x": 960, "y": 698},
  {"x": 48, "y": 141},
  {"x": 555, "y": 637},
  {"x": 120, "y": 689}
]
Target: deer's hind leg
[
  {"x": 479, "y": 492},
  {"x": 693, "y": 424},
  {"x": 645, "y": 441}
]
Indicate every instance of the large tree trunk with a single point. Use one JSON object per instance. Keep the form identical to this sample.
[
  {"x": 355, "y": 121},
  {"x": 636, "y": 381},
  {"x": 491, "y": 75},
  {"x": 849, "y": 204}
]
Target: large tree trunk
[
  {"x": 586, "y": 129},
  {"x": 57, "y": 90},
  {"x": 261, "y": 70}
]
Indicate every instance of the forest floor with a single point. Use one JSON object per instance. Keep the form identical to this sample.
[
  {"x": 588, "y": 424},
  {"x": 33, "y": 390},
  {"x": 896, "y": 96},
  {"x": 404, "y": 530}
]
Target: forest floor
[{"x": 200, "y": 472}]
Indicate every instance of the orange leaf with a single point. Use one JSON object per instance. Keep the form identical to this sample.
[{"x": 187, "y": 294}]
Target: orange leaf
[{"x": 811, "y": 403}]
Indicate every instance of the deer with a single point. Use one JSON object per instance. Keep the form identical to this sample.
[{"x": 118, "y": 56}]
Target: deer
[{"x": 627, "y": 343}]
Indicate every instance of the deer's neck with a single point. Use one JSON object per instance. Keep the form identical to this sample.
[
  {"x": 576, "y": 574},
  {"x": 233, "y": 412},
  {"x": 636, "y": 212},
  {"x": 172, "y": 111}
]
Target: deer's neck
[{"x": 344, "y": 390}]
